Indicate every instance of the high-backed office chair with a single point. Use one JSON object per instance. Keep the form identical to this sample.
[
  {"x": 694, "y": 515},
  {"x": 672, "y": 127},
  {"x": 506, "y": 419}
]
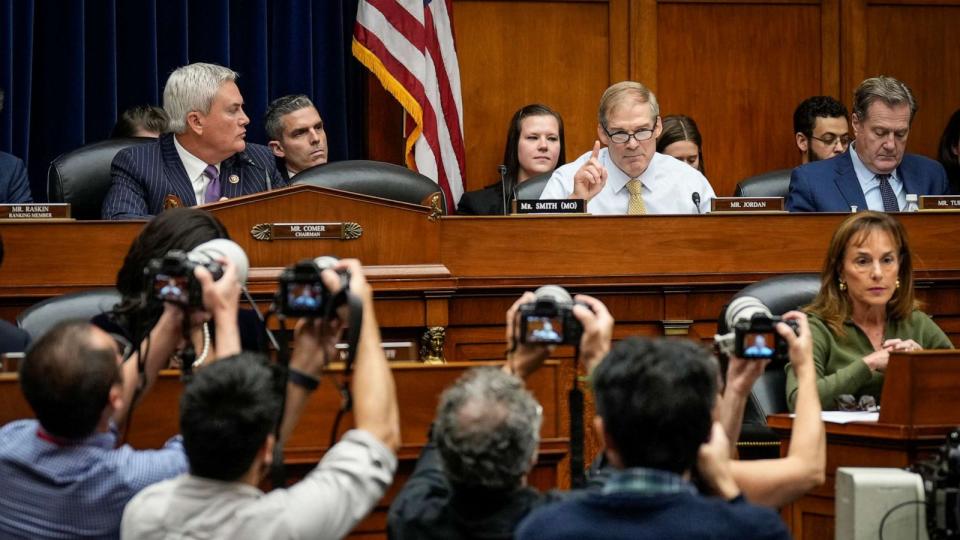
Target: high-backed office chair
[
  {"x": 82, "y": 177},
  {"x": 769, "y": 184},
  {"x": 533, "y": 186},
  {"x": 39, "y": 318},
  {"x": 780, "y": 294},
  {"x": 375, "y": 178}
]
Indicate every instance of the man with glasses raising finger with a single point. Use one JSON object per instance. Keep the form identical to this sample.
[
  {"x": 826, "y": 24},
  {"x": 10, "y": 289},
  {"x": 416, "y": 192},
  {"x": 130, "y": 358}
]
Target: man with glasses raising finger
[{"x": 628, "y": 176}]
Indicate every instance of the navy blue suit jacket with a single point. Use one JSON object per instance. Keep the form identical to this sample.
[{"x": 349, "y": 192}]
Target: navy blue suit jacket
[
  {"x": 145, "y": 174},
  {"x": 832, "y": 186},
  {"x": 14, "y": 186}
]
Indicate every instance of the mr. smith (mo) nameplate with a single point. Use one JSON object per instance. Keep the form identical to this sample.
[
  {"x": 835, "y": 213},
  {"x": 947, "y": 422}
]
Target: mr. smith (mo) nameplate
[
  {"x": 306, "y": 231},
  {"x": 550, "y": 206}
]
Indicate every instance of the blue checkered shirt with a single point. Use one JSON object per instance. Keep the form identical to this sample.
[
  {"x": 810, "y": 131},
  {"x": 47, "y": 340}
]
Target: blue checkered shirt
[
  {"x": 646, "y": 482},
  {"x": 77, "y": 490}
]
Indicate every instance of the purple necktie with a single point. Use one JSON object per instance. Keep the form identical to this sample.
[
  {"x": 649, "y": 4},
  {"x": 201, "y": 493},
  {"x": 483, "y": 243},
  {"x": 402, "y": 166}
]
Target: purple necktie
[{"x": 213, "y": 188}]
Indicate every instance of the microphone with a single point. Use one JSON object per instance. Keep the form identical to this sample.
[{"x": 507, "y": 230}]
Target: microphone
[
  {"x": 247, "y": 160},
  {"x": 503, "y": 185},
  {"x": 696, "y": 201}
]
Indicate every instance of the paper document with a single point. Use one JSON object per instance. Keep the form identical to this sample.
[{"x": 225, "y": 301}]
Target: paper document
[{"x": 845, "y": 417}]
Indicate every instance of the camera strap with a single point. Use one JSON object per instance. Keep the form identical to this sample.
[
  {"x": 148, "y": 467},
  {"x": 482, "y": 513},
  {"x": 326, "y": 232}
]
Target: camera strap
[
  {"x": 354, "y": 327},
  {"x": 578, "y": 478}
]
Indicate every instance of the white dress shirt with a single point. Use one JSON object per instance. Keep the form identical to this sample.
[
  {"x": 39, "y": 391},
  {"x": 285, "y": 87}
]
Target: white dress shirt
[
  {"x": 871, "y": 186},
  {"x": 668, "y": 186},
  {"x": 195, "y": 167}
]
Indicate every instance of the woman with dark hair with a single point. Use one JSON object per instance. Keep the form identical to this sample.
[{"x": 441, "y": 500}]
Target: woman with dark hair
[
  {"x": 139, "y": 309},
  {"x": 681, "y": 139},
  {"x": 535, "y": 146},
  {"x": 949, "y": 155},
  {"x": 865, "y": 310}
]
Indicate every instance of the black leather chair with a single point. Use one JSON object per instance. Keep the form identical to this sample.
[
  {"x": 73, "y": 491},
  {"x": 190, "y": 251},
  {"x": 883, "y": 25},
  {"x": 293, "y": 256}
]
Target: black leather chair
[
  {"x": 82, "y": 177},
  {"x": 533, "y": 186},
  {"x": 769, "y": 184},
  {"x": 780, "y": 294},
  {"x": 375, "y": 178},
  {"x": 40, "y": 318}
]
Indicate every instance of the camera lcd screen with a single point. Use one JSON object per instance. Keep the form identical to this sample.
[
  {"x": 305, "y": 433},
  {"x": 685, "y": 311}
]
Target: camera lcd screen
[
  {"x": 304, "y": 297},
  {"x": 544, "y": 329},
  {"x": 758, "y": 345},
  {"x": 172, "y": 288}
]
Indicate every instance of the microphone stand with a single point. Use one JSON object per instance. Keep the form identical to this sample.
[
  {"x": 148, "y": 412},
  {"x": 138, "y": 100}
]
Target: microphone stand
[{"x": 503, "y": 186}]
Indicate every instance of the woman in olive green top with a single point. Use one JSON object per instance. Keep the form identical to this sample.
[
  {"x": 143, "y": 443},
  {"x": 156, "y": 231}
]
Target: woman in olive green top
[{"x": 865, "y": 310}]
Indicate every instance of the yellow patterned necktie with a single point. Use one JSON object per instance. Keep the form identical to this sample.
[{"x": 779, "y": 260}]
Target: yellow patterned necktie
[{"x": 636, "y": 206}]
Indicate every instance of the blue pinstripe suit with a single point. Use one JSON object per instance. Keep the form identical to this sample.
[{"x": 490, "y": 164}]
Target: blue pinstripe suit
[{"x": 145, "y": 174}]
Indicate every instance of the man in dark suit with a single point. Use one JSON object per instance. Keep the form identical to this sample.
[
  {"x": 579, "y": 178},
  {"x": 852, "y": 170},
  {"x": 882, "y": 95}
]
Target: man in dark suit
[
  {"x": 875, "y": 172},
  {"x": 14, "y": 186},
  {"x": 204, "y": 159},
  {"x": 295, "y": 131}
]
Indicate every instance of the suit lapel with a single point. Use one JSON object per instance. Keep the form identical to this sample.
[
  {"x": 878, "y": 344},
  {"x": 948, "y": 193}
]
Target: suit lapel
[
  {"x": 177, "y": 181},
  {"x": 231, "y": 169},
  {"x": 848, "y": 183}
]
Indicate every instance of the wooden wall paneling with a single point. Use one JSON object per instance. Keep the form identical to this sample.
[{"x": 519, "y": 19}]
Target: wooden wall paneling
[
  {"x": 514, "y": 53},
  {"x": 620, "y": 40},
  {"x": 644, "y": 34},
  {"x": 853, "y": 47},
  {"x": 830, "y": 48},
  {"x": 739, "y": 69},
  {"x": 918, "y": 45}
]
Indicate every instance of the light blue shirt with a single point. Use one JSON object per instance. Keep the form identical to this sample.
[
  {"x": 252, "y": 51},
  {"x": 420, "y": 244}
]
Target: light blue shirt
[{"x": 871, "y": 185}]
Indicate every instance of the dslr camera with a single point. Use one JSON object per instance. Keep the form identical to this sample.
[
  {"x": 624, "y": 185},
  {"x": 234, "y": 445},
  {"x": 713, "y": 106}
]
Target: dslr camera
[
  {"x": 302, "y": 292},
  {"x": 549, "y": 319},
  {"x": 170, "y": 278},
  {"x": 941, "y": 484},
  {"x": 754, "y": 335}
]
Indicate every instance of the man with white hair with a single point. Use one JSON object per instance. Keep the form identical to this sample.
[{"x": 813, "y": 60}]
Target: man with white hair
[{"x": 205, "y": 157}]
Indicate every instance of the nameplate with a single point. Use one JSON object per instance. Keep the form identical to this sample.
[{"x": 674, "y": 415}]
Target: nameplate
[
  {"x": 940, "y": 202},
  {"x": 746, "y": 204},
  {"x": 306, "y": 231},
  {"x": 35, "y": 211},
  {"x": 395, "y": 351},
  {"x": 550, "y": 206}
]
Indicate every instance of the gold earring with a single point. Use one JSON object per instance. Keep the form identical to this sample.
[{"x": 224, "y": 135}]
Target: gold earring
[
  {"x": 898, "y": 283},
  {"x": 843, "y": 285}
]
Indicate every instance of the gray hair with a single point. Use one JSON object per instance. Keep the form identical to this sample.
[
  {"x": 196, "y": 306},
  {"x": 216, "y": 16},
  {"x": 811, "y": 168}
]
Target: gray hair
[
  {"x": 280, "y": 107},
  {"x": 886, "y": 89},
  {"x": 192, "y": 88},
  {"x": 623, "y": 91},
  {"x": 487, "y": 429}
]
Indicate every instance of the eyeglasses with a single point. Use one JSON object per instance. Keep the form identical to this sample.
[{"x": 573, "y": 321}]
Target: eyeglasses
[
  {"x": 830, "y": 139},
  {"x": 622, "y": 137},
  {"x": 846, "y": 402}
]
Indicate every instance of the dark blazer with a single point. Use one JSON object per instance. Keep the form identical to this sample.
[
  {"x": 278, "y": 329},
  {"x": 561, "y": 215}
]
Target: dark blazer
[
  {"x": 832, "y": 186},
  {"x": 14, "y": 186},
  {"x": 145, "y": 174},
  {"x": 12, "y": 338},
  {"x": 482, "y": 202}
]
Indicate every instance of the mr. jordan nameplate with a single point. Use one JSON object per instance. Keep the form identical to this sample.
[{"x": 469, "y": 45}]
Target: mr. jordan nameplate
[
  {"x": 746, "y": 204},
  {"x": 307, "y": 231},
  {"x": 550, "y": 206}
]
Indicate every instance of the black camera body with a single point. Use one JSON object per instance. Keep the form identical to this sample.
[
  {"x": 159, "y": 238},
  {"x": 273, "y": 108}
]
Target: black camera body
[
  {"x": 302, "y": 292},
  {"x": 171, "y": 278},
  {"x": 549, "y": 321},
  {"x": 757, "y": 338},
  {"x": 941, "y": 484}
]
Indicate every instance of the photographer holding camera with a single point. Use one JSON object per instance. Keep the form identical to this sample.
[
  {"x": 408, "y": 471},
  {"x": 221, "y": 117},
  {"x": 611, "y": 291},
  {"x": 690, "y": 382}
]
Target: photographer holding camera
[
  {"x": 776, "y": 482},
  {"x": 64, "y": 476},
  {"x": 227, "y": 416},
  {"x": 470, "y": 480}
]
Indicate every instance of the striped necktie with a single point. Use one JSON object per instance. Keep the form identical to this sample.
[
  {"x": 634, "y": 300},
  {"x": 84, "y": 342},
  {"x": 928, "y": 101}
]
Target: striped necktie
[
  {"x": 886, "y": 193},
  {"x": 636, "y": 206}
]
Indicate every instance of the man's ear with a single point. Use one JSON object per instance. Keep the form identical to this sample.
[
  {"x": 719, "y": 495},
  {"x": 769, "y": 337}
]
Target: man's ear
[
  {"x": 602, "y": 135},
  {"x": 802, "y": 142},
  {"x": 277, "y": 149},
  {"x": 855, "y": 124},
  {"x": 610, "y": 447},
  {"x": 115, "y": 397},
  {"x": 195, "y": 122},
  {"x": 267, "y": 450},
  {"x": 657, "y": 128}
]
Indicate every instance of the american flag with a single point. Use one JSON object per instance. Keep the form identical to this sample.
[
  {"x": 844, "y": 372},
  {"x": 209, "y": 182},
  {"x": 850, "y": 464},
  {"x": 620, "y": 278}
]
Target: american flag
[{"x": 409, "y": 46}]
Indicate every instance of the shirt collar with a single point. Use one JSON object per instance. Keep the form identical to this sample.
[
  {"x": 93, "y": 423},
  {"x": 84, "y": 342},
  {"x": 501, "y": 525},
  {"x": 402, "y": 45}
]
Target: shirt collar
[
  {"x": 191, "y": 163},
  {"x": 291, "y": 174},
  {"x": 106, "y": 440},
  {"x": 865, "y": 175},
  {"x": 647, "y": 482}
]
